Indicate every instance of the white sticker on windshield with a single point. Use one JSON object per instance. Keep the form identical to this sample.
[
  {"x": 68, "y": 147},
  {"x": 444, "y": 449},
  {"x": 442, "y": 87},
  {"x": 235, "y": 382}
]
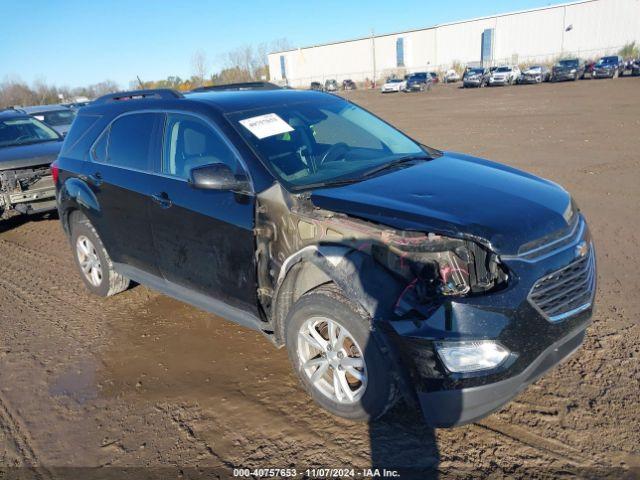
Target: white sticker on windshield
[
  {"x": 264, "y": 126},
  {"x": 40, "y": 117}
]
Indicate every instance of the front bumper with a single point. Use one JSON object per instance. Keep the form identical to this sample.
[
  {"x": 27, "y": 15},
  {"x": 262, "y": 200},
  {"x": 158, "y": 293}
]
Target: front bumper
[
  {"x": 498, "y": 81},
  {"x": 531, "y": 79},
  {"x": 560, "y": 76},
  {"x": 475, "y": 82},
  {"x": 450, "y": 408},
  {"x": 536, "y": 337},
  {"x": 603, "y": 73}
]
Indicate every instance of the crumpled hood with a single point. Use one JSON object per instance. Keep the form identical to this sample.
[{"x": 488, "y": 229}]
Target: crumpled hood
[
  {"x": 457, "y": 195},
  {"x": 24, "y": 156}
]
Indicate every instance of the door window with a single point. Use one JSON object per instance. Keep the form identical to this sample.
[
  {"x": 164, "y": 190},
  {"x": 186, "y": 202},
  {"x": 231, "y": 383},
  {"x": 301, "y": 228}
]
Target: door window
[
  {"x": 190, "y": 143},
  {"x": 131, "y": 141}
]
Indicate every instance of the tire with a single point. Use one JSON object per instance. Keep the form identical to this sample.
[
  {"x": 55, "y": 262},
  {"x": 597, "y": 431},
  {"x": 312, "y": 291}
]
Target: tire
[
  {"x": 88, "y": 249},
  {"x": 375, "y": 392}
]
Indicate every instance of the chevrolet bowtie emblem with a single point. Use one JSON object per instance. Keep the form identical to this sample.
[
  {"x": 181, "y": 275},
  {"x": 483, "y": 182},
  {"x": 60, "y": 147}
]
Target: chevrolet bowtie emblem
[{"x": 582, "y": 249}]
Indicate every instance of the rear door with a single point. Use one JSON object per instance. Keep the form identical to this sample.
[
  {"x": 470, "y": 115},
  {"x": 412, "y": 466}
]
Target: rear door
[
  {"x": 122, "y": 160},
  {"x": 203, "y": 238}
]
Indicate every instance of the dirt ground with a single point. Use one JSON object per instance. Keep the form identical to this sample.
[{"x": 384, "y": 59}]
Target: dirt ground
[{"x": 140, "y": 380}]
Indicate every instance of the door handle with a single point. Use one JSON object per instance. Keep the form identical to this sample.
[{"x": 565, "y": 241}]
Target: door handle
[{"x": 162, "y": 199}]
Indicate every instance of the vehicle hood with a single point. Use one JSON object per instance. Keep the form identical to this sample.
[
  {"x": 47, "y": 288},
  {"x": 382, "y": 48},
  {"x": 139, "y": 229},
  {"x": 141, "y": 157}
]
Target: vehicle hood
[
  {"x": 457, "y": 195},
  {"x": 24, "y": 156}
]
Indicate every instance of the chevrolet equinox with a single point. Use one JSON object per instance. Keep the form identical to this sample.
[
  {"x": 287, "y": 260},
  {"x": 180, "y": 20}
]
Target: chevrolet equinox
[{"x": 385, "y": 267}]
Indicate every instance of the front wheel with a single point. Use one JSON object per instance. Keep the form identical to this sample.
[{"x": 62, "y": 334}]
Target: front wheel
[{"x": 333, "y": 352}]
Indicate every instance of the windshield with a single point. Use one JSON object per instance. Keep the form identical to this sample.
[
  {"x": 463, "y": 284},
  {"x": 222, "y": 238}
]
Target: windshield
[
  {"x": 503, "y": 69},
  {"x": 476, "y": 71},
  {"x": 394, "y": 80},
  {"x": 24, "y": 130},
  {"x": 322, "y": 142},
  {"x": 56, "y": 118},
  {"x": 568, "y": 63},
  {"x": 607, "y": 60}
]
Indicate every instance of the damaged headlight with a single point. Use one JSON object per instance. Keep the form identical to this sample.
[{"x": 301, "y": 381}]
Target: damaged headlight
[{"x": 434, "y": 266}]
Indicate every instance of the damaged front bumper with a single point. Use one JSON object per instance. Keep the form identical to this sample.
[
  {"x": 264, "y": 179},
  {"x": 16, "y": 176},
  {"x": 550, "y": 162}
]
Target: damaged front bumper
[{"x": 534, "y": 318}]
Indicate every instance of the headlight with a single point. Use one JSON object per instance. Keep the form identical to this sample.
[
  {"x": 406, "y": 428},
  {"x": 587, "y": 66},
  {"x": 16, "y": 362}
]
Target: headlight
[
  {"x": 433, "y": 267},
  {"x": 471, "y": 356},
  {"x": 573, "y": 70}
]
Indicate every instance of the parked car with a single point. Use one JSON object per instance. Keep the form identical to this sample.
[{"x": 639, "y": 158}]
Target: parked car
[
  {"x": 451, "y": 76},
  {"x": 58, "y": 117},
  {"x": 434, "y": 77},
  {"x": 608, "y": 67},
  {"x": 384, "y": 266},
  {"x": 331, "y": 85},
  {"x": 504, "y": 75},
  {"x": 535, "y": 74},
  {"x": 348, "y": 84},
  {"x": 315, "y": 86},
  {"x": 475, "y": 77},
  {"x": 393, "y": 85},
  {"x": 27, "y": 148},
  {"x": 568, "y": 69},
  {"x": 635, "y": 67},
  {"x": 418, "y": 82}
]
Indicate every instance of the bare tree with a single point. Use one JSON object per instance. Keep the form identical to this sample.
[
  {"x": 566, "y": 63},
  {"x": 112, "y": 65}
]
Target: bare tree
[{"x": 199, "y": 67}]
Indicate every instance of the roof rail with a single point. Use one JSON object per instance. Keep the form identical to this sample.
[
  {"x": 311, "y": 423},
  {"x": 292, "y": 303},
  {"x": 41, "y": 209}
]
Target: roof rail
[
  {"x": 157, "y": 93},
  {"x": 239, "y": 86}
]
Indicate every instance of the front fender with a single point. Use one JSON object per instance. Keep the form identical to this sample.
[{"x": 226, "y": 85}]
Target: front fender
[{"x": 359, "y": 276}]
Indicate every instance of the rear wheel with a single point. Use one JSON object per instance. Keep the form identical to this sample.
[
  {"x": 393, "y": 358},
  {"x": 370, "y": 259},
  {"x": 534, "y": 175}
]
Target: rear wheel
[
  {"x": 92, "y": 259},
  {"x": 334, "y": 354}
]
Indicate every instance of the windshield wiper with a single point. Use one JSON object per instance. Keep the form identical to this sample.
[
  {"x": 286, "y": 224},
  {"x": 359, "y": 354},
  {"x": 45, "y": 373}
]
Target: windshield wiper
[
  {"x": 346, "y": 181},
  {"x": 394, "y": 163}
]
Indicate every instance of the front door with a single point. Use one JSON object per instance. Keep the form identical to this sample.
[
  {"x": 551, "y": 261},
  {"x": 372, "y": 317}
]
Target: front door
[
  {"x": 118, "y": 173},
  {"x": 203, "y": 238}
]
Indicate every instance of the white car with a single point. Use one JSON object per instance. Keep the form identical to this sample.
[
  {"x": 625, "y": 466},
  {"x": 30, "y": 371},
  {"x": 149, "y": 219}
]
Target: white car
[
  {"x": 451, "y": 76},
  {"x": 504, "y": 75},
  {"x": 393, "y": 85}
]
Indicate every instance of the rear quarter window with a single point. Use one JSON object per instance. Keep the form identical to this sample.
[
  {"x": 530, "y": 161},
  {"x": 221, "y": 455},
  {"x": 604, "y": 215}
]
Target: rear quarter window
[{"x": 79, "y": 129}]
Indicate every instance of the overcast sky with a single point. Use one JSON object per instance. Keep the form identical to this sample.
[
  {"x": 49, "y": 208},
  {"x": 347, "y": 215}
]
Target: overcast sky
[{"x": 79, "y": 42}]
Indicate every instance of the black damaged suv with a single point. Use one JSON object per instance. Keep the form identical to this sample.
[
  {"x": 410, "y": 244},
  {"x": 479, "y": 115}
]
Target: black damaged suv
[{"x": 384, "y": 266}]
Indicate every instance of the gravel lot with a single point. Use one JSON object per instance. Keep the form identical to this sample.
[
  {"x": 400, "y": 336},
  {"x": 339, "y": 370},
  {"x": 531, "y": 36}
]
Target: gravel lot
[{"x": 143, "y": 380}]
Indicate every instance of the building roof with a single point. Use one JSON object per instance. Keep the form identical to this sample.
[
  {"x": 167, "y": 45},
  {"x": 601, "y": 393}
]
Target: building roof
[{"x": 516, "y": 12}]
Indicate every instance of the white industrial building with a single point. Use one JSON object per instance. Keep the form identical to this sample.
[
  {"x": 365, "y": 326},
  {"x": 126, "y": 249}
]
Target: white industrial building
[{"x": 587, "y": 29}]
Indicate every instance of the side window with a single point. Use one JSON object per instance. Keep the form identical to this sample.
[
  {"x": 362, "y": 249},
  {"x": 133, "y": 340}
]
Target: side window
[
  {"x": 189, "y": 142},
  {"x": 130, "y": 141}
]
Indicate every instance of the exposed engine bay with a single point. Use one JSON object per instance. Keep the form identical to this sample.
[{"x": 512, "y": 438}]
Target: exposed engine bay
[
  {"x": 26, "y": 190},
  {"x": 428, "y": 267}
]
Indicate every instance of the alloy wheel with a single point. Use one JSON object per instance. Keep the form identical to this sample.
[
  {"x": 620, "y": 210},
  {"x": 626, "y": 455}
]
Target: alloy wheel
[
  {"x": 332, "y": 360},
  {"x": 89, "y": 260}
]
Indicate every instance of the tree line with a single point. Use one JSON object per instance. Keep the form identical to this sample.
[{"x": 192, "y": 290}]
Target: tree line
[{"x": 243, "y": 64}]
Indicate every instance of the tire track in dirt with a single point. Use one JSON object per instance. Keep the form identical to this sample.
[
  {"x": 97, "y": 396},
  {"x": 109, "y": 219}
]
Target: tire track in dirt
[
  {"x": 13, "y": 428},
  {"x": 547, "y": 446}
]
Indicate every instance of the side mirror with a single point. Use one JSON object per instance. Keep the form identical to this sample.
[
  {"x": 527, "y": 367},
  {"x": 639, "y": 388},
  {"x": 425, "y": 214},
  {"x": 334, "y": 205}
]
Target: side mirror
[{"x": 218, "y": 176}]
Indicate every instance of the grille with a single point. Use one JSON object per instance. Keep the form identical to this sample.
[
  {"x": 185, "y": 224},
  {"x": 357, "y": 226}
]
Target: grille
[{"x": 567, "y": 291}]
